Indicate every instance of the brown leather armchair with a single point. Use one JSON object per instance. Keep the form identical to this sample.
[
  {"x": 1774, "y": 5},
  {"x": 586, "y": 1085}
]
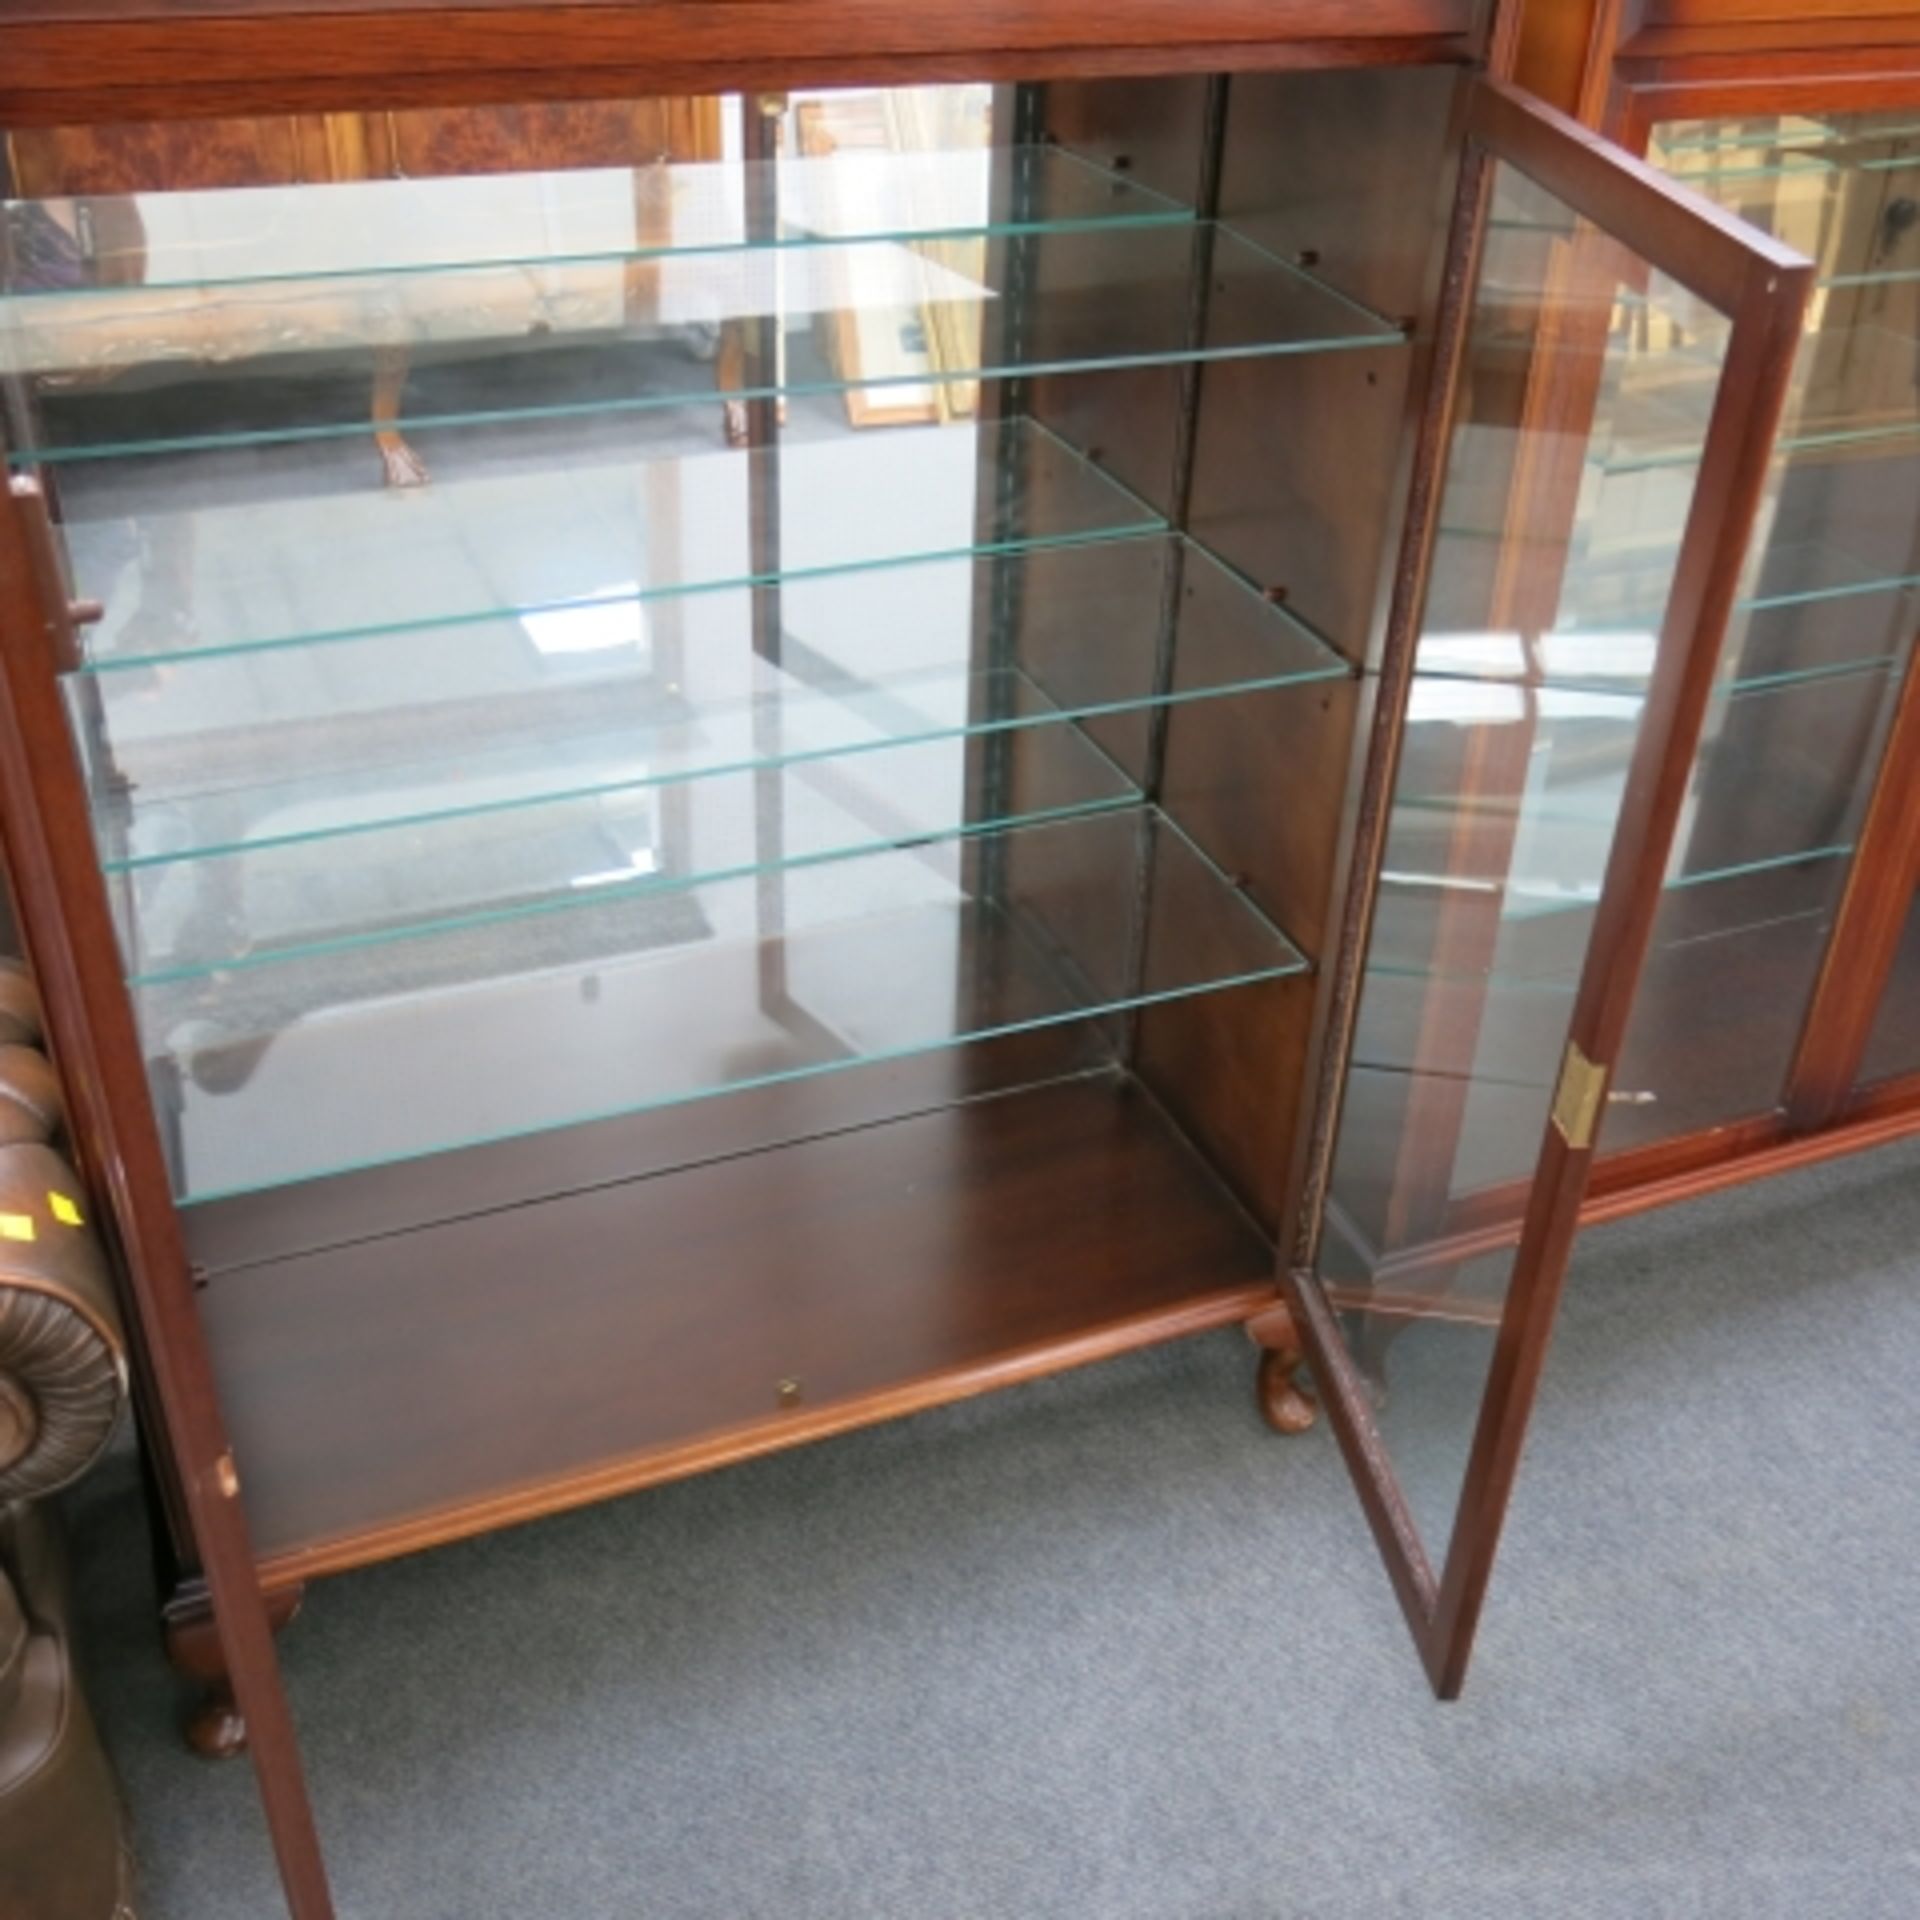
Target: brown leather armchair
[{"x": 63, "y": 1852}]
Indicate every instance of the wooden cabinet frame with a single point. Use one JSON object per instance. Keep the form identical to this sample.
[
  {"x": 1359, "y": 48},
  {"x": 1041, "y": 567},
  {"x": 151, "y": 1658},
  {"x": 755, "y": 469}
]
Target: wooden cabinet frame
[{"x": 67, "y": 60}]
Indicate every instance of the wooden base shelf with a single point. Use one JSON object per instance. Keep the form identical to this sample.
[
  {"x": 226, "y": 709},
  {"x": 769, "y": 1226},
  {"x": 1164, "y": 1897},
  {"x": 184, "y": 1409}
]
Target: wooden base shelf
[{"x": 403, "y": 1392}]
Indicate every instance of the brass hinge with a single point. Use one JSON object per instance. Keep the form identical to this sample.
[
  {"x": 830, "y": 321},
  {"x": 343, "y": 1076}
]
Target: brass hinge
[{"x": 1578, "y": 1098}]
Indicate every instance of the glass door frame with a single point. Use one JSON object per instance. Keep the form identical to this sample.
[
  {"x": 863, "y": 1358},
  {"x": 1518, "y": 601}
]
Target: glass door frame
[
  {"x": 1824, "y": 1085},
  {"x": 1762, "y": 287}
]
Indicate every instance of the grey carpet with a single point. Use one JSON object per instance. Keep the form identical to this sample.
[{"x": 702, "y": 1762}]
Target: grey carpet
[{"x": 1103, "y": 1647}]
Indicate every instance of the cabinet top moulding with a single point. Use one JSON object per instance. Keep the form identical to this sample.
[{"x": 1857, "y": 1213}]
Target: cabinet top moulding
[
  {"x": 1570, "y": 47},
  {"x": 1771, "y": 19},
  {"x": 63, "y": 61}
]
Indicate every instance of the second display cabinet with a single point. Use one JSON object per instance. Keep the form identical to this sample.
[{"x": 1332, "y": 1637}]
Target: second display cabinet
[{"x": 1780, "y": 1017}]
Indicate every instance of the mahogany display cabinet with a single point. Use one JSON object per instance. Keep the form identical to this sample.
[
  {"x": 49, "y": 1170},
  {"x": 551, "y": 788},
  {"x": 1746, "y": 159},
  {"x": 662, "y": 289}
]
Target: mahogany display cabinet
[
  {"x": 1132, "y": 800},
  {"x": 1779, "y": 1021}
]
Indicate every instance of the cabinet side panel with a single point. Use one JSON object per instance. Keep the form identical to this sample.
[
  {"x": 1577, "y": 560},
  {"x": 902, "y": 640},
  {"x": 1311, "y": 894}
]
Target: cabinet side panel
[
  {"x": 1150, "y": 129},
  {"x": 1082, "y": 299},
  {"x": 1228, "y": 1068},
  {"x": 1154, "y": 132},
  {"x": 1298, "y": 472},
  {"x": 1296, "y": 457},
  {"x": 1349, "y": 165},
  {"x": 1259, "y": 783}
]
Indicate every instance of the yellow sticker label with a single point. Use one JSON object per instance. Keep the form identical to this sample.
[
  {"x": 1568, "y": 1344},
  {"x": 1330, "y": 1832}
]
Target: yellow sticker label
[
  {"x": 64, "y": 1210},
  {"x": 17, "y": 1226}
]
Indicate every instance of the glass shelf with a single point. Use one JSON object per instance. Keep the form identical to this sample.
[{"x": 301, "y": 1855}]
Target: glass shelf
[
  {"x": 297, "y": 899},
  {"x": 182, "y": 579},
  {"x": 1815, "y": 608},
  {"x": 1802, "y": 197},
  {"x": 1831, "y": 191},
  {"x": 1829, "y": 587},
  {"x": 269, "y": 236},
  {"x": 362, "y": 1058},
  {"x": 573, "y": 342},
  {"x": 1708, "y": 1043},
  {"x": 1813, "y": 572},
  {"x": 402, "y": 732},
  {"x": 1533, "y": 969},
  {"x": 1841, "y": 192},
  {"x": 1876, "y": 414},
  {"x": 1712, "y": 172},
  {"x": 1700, "y": 142},
  {"x": 1410, "y": 899},
  {"x": 1544, "y": 841},
  {"x": 1817, "y": 161},
  {"x": 1817, "y": 613}
]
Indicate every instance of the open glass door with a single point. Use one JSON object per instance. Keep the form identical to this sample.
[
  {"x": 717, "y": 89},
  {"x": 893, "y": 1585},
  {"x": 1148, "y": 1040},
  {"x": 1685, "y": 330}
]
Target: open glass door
[{"x": 1614, "y": 356}]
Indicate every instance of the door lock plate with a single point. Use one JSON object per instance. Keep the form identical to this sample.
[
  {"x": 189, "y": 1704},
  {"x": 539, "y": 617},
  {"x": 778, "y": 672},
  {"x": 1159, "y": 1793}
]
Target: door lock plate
[{"x": 1579, "y": 1097}]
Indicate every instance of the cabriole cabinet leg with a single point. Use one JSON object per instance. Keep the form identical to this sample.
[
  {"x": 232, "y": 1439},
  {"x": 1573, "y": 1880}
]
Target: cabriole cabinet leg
[
  {"x": 214, "y": 1727},
  {"x": 1285, "y": 1405}
]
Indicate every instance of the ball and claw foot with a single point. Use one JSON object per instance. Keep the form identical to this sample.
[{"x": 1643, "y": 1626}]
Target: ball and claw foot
[
  {"x": 216, "y": 1729},
  {"x": 1286, "y": 1406}
]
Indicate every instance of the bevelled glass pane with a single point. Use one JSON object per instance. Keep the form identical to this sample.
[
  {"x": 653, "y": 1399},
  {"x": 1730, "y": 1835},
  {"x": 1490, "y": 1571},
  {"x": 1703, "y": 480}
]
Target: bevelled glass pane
[
  {"x": 1540, "y": 639},
  {"x": 322, "y": 1062}
]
